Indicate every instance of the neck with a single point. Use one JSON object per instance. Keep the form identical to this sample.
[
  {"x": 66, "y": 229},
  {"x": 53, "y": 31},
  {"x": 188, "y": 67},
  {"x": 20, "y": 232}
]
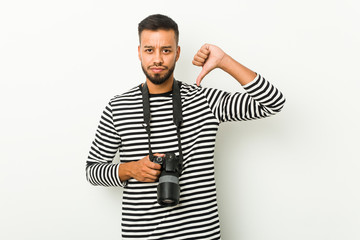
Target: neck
[{"x": 161, "y": 88}]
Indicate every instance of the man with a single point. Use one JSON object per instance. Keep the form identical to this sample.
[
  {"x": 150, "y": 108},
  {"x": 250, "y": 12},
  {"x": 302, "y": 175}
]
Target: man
[{"x": 122, "y": 128}]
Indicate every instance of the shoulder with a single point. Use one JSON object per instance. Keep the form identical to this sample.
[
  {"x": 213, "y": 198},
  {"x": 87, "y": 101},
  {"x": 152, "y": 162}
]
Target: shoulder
[
  {"x": 131, "y": 96},
  {"x": 188, "y": 90},
  {"x": 195, "y": 92}
]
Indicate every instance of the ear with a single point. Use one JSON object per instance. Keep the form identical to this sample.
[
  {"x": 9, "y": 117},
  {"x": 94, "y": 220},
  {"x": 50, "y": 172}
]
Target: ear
[
  {"x": 139, "y": 53},
  {"x": 178, "y": 52}
]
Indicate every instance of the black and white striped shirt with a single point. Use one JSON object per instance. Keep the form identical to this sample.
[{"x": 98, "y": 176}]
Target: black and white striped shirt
[{"x": 122, "y": 129}]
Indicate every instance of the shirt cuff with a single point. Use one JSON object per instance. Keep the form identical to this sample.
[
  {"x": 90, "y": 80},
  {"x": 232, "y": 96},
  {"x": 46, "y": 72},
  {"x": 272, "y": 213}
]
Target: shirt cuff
[
  {"x": 120, "y": 183},
  {"x": 253, "y": 83}
]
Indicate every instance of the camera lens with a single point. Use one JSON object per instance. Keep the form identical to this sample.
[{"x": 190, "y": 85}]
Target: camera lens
[
  {"x": 168, "y": 189},
  {"x": 168, "y": 193}
]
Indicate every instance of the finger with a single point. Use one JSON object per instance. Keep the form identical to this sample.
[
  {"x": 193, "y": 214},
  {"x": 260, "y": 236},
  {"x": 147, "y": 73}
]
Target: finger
[
  {"x": 198, "y": 58},
  {"x": 196, "y": 63},
  {"x": 205, "y": 49},
  {"x": 153, "y": 172},
  {"x": 202, "y": 74},
  {"x": 148, "y": 175},
  {"x": 151, "y": 176},
  {"x": 202, "y": 55},
  {"x": 145, "y": 177},
  {"x": 153, "y": 165},
  {"x": 159, "y": 154},
  {"x": 148, "y": 179},
  {"x": 157, "y": 173}
]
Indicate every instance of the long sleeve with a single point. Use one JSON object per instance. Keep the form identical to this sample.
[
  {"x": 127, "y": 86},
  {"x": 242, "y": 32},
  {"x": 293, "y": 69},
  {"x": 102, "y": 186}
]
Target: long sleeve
[
  {"x": 100, "y": 170},
  {"x": 260, "y": 100}
]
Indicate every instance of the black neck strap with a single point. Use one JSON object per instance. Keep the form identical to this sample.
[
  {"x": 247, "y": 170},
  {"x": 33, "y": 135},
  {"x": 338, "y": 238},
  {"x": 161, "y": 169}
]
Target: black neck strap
[{"x": 177, "y": 114}]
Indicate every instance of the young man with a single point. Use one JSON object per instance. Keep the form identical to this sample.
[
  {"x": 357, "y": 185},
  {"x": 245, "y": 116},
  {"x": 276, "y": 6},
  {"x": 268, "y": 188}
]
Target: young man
[{"x": 122, "y": 128}]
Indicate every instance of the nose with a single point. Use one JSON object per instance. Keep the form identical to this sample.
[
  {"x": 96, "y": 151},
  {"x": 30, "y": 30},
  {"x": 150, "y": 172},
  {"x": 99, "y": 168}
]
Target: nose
[{"x": 158, "y": 60}]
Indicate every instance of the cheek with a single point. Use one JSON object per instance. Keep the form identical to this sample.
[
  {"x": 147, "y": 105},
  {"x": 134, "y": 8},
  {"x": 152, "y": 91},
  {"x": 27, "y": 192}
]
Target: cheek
[
  {"x": 171, "y": 59},
  {"x": 144, "y": 60}
]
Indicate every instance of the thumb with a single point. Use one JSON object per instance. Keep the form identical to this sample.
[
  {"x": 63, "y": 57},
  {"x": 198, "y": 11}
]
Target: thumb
[{"x": 202, "y": 74}]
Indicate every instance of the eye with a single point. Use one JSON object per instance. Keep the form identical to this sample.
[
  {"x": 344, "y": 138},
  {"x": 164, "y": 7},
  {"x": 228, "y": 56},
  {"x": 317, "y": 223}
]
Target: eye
[
  {"x": 148, "y": 50},
  {"x": 166, "y": 51}
]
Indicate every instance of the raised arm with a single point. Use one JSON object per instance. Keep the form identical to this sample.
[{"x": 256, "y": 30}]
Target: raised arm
[{"x": 261, "y": 99}]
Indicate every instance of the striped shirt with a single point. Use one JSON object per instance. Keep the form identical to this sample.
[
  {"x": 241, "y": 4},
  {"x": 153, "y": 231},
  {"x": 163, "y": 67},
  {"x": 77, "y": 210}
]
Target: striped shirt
[{"x": 122, "y": 129}]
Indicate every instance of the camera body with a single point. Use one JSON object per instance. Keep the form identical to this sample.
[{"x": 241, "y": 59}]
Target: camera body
[{"x": 168, "y": 189}]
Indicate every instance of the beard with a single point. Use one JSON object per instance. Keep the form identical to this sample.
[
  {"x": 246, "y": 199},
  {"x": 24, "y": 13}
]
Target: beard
[{"x": 157, "y": 78}]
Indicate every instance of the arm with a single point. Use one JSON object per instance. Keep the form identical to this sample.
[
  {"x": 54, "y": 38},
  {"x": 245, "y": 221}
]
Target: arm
[
  {"x": 100, "y": 170},
  {"x": 261, "y": 100}
]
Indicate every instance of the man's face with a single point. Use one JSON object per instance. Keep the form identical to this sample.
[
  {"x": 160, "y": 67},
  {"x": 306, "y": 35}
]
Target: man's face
[{"x": 158, "y": 54}]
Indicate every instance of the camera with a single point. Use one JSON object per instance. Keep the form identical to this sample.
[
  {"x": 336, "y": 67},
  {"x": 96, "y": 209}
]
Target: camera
[{"x": 168, "y": 189}]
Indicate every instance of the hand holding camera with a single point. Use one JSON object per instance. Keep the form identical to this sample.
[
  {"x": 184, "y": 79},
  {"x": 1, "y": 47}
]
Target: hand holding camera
[{"x": 145, "y": 170}]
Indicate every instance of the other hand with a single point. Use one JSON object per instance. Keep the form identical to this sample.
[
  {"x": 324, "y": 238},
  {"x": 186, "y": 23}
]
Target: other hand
[{"x": 145, "y": 170}]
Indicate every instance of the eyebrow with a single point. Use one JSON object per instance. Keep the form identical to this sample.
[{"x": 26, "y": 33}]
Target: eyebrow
[{"x": 161, "y": 47}]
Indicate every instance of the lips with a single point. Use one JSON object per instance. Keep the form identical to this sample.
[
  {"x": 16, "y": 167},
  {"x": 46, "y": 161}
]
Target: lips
[{"x": 157, "y": 69}]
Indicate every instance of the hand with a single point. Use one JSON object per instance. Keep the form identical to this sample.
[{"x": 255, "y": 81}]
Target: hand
[
  {"x": 208, "y": 57},
  {"x": 146, "y": 171}
]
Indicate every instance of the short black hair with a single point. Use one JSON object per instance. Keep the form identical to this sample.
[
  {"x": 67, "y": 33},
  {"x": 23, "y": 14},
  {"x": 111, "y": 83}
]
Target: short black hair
[{"x": 157, "y": 22}]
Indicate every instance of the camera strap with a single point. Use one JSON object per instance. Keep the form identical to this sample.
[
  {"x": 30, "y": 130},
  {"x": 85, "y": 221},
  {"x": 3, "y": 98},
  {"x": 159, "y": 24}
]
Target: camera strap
[{"x": 177, "y": 114}]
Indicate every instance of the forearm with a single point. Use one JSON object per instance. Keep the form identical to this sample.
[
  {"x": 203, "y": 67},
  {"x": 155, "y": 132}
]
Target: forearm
[
  {"x": 104, "y": 174},
  {"x": 238, "y": 71}
]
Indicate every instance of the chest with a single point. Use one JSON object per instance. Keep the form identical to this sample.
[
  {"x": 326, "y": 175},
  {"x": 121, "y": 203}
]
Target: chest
[{"x": 129, "y": 122}]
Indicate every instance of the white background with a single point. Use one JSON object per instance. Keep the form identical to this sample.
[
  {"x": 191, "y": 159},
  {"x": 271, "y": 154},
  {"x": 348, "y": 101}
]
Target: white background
[{"x": 291, "y": 176}]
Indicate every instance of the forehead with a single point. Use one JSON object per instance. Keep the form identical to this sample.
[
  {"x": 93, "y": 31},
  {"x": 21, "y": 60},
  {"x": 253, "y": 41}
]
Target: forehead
[{"x": 158, "y": 38}]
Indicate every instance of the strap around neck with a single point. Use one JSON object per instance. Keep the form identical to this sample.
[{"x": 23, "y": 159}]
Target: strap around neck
[{"x": 177, "y": 113}]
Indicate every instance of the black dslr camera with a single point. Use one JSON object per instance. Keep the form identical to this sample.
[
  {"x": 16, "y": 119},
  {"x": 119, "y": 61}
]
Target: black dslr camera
[{"x": 168, "y": 189}]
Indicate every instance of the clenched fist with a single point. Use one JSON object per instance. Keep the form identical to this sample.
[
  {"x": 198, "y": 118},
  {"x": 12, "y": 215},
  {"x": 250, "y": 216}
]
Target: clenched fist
[{"x": 208, "y": 57}]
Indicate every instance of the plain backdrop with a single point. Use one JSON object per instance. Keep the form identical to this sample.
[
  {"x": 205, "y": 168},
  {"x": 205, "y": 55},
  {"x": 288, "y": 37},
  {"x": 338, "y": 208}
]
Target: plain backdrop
[{"x": 292, "y": 176}]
